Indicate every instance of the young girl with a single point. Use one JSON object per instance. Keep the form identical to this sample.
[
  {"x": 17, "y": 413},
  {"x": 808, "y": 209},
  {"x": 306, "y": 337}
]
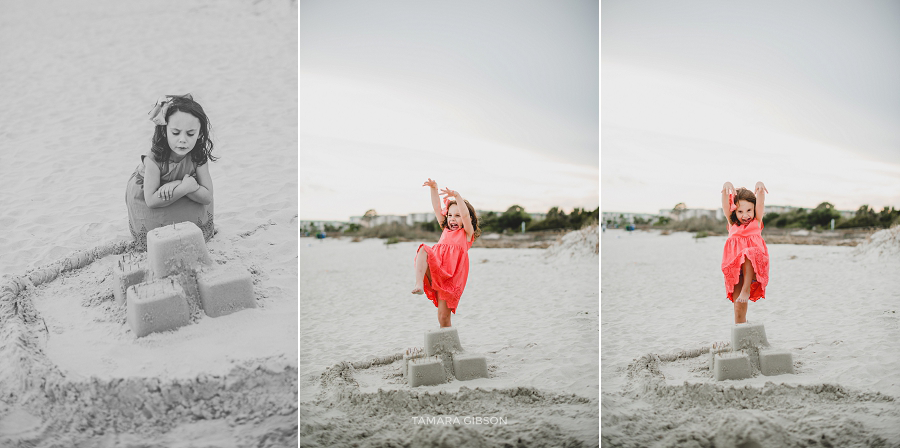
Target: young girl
[
  {"x": 441, "y": 270},
  {"x": 172, "y": 182},
  {"x": 745, "y": 260}
]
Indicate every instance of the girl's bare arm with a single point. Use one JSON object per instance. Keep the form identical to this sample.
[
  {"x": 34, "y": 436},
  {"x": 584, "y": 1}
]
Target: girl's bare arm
[
  {"x": 435, "y": 199},
  {"x": 760, "y": 192},
  {"x": 204, "y": 194},
  {"x": 727, "y": 189},
  {"x": 464, "y": 213},
  {"x": 152, "y": 186},
  {"x": 175, "y": 190}
]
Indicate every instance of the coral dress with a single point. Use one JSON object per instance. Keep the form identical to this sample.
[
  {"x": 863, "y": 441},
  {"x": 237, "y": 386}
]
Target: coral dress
[
  {"x": 448, "y": 261},
  {"x": 746, "y": 241},
  {"x": 142, "y": 219}
]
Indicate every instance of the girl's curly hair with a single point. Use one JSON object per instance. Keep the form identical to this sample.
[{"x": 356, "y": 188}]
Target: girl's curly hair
[
  {"x": 471, "y": 214},
  {"x": 202, "y": 150}
]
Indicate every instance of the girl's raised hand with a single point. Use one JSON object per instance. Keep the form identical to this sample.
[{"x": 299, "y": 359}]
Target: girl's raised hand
[
  {"x": 166, "y": 191},
  {"x": 430, "y": 183},
  {"x": 759, "y": 188},
  {"x": 449, "y": 192},
  {"x": 727, "y": 188}
]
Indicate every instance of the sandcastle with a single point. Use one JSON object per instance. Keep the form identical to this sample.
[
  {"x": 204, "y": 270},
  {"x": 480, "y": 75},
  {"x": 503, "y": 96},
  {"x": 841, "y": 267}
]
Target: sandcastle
[
  {"x": 442, "y": 359},
  {"x": 177, "y": 271},
  {"x": 749, "y": 353}
]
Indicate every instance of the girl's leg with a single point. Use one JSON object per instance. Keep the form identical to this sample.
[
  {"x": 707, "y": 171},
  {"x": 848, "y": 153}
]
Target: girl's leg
[
  {"x": 749, "y": 276},
  {"x": 740, "y": 303},
  {"x": 740, "y": 309},
  {"x": 421, "y": 270},
  {"x": 443, "y": 313}
]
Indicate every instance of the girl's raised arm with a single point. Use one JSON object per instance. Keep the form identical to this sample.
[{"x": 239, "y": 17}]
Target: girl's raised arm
[
  {"x": 727, "y": 189},
  {"x": 463, "y": 212},
  {"x": 760, "y": 192},
  {"x": 435, "y": 199}
]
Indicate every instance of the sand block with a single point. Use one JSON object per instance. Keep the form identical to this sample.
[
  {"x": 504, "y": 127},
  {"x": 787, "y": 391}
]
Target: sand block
[
  {"x": 775, "y": 362},
  {"x": 225, "y": 289},
  {"x": 159, "y": 305},
  {"x": 748, "y": 335},
  {"x": 413, "y": 353},
  {"x": 443, "y": 343},
  {"x": 712, "y": 356},
  {"x": 444, "y": 340},
  {"x": 753, "y": 355},
  {"x": 732, "y": 366},
  {"x": 176, "y": 248},
  {"x": 127, "y": 273},
  {"x": 427, "y": 371},
  {"x": 468, "y": 366}
]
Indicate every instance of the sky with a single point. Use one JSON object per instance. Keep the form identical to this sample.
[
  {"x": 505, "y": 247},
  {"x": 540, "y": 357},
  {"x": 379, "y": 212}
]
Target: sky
[
  {"x": 801, "y": 95},
  {"x": 498, "y": 100}
]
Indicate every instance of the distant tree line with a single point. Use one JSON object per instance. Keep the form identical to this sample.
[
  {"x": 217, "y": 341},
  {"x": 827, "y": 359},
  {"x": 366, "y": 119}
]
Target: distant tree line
[
  {"x": 821, "y": 216},
  {"x": 801, "y": 218},
  {"x": 511, "y": 220},
  {"x": 557, "y": 219}
]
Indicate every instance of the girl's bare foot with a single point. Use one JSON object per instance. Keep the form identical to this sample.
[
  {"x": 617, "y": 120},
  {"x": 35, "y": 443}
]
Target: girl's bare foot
[
  {"x": 743, "y": 298},
  {"x": 419, "y": 289}
]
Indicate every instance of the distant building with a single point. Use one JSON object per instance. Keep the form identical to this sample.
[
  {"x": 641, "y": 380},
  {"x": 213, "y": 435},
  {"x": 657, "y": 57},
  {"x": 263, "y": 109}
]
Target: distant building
[
  {"x": 782, "y": 209},
  {"x": 689, "y": 213},
  {"x": 414, "y": 218},
  {"x": 319, "y": 226},
  {"x": 628, "y": 217},
  {"x": 378, "y": 220}
]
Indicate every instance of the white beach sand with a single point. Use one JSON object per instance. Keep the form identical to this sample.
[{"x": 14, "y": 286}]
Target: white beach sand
[
  {"x": 78, "y": 79},
  {"x": 532, "y": 312},
  {"x": 837, "y": 309}
]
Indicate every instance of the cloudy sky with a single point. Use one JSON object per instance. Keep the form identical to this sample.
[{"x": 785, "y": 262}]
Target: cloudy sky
[
  {"x": 498, "y": 99},
  {"x": 802, "y": 95}
]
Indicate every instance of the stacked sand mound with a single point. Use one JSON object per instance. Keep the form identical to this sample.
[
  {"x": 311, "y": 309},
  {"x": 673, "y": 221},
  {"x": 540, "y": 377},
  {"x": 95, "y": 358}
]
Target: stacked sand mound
[
  {"x": 883, "y": 243},
  {"x": 577, "y": 244}
]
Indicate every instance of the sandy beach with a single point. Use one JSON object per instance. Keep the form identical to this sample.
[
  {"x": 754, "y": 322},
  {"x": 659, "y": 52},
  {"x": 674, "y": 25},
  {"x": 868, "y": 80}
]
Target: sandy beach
[
  {"x": 79, "y": 80},
  {"x": 835, "y": 308},
  {"x": 532, "y": 312}
]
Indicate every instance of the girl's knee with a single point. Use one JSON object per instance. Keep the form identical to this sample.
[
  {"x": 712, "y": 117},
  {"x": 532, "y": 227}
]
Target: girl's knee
[{"x": 748, "y": 264}]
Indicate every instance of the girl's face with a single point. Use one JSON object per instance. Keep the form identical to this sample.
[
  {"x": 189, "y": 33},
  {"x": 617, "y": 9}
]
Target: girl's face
[
  {"x": 745, "y": 211},
  {"x": 454, "y": 220},
  {"x": 182, "y": 132}
]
